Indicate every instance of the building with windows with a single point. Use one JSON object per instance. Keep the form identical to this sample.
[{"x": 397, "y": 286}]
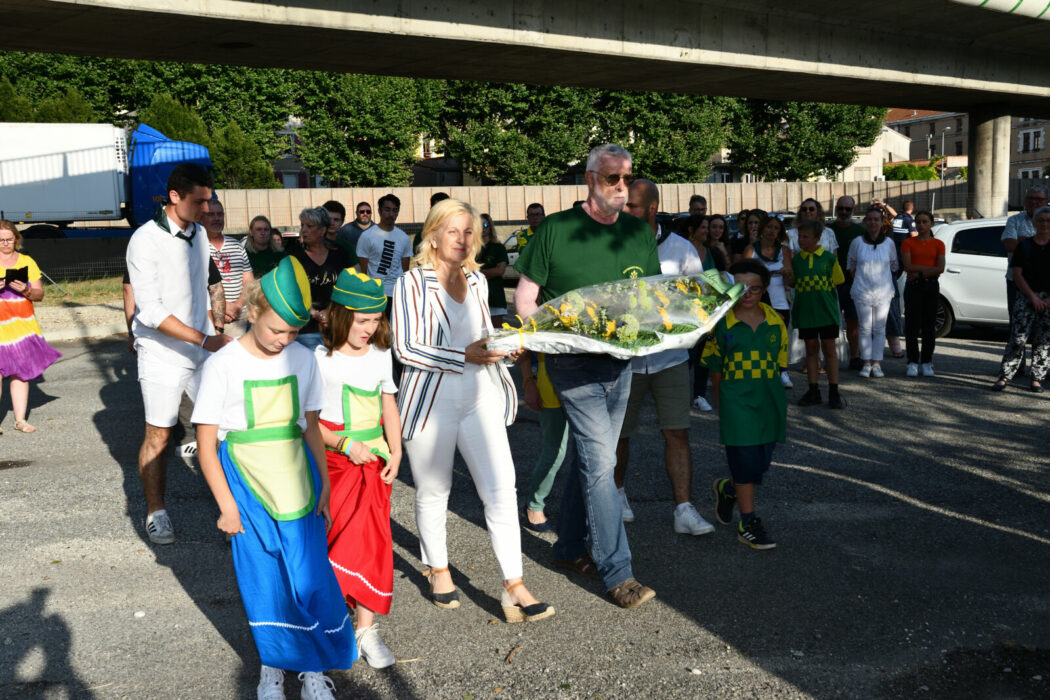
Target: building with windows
[{"x": 934, "y": 134}]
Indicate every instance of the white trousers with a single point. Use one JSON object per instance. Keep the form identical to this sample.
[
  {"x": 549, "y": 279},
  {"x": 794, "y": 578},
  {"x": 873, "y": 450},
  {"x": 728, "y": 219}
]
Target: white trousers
[
  {"x": 474, "y": 424},
  {"x": 871, "y": 317}
]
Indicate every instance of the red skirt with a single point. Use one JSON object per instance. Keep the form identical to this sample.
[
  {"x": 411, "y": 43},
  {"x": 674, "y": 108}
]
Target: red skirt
[{"x": 360, "y": 547}]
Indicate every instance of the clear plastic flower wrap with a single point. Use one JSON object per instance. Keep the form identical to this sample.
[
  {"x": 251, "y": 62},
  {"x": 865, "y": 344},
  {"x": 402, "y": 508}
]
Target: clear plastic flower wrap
[{"x": 625, "y": 318}]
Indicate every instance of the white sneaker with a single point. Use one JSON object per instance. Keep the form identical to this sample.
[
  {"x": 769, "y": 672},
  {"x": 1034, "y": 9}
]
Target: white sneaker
[
  {"x": 876, "y": 371},
  {"x": 701, "y": 404},
  {"x": 271, "y": 684},
  {"x": 927, "y": 369},
  {"x": 628, "y": 514},
  {"x": 316, "y": 686},
  {"x": 786, "y": 380},
  {"x": 913, "y": 370},
  {"x": 688, "y": 522},
  {"x": 372, "y": 648},
  {"x": 159, "y": 527},
  {"x": 865, "y": 371},
  {"x": 189, "y": 449}
]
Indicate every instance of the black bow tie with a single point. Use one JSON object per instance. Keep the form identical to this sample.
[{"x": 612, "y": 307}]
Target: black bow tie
[{"x": 189, "y": 238}]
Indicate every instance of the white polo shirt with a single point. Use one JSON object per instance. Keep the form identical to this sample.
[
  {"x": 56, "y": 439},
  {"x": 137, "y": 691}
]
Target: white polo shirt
[{"x": 169, "y": 276}]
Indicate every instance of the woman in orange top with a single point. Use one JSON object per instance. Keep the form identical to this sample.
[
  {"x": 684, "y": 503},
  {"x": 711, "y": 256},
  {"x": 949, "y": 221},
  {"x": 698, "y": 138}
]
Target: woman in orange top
[{"x": 923, "y": 259}]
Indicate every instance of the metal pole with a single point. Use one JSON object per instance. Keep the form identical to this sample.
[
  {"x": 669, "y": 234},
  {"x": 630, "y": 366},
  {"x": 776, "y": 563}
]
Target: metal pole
[{"x": 44, "y": 275}]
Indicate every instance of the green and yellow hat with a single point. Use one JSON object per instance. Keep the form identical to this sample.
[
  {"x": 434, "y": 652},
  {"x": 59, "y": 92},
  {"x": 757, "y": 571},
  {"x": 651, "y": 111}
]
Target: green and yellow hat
[
  {"x": 287, "y": 289},
  {"x": 359, "y": 292}
]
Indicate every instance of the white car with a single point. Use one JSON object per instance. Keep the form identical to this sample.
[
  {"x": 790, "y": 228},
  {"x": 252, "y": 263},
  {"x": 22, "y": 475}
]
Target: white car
[{"x": 973, "y": 286}]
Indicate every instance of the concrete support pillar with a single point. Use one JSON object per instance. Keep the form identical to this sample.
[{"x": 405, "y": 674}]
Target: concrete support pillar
[{"x": 988, "y": 183}]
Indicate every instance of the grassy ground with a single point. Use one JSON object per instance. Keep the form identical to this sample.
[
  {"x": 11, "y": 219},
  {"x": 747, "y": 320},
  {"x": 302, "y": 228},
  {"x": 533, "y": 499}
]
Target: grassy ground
[{"x": 99, "y": 291}]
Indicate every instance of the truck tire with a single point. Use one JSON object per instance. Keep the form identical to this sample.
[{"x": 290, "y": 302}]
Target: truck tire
[
  {"x": 43, "y": 231},
  {"x": 945, "y": 318}
]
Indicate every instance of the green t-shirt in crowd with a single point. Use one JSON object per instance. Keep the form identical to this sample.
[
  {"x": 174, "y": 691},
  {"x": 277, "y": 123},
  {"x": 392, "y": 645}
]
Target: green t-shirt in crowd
[
  {"x": 816, "y": 301},
  {"x": 752, "y": 403},
  {"x": 845, "y": 236},
  {"x": 263, "y": 261},
  {"x": 571, "y": 250},
  {"x": 491, "y": 255}
]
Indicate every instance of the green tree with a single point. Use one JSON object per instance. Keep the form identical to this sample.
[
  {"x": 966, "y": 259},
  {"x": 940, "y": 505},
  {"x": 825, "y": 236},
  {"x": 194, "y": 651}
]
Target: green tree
[
  {"x": 910, "y": 171},
  {"x": 359, "y": 130},
  {"x": 671, "y": 137},
  {"x": 176, "y": 121},
  {"x": 239, "y": 162},
  {"x": 69, "y": 108},
  {"x": 799, "y": 140},
  {"x": 516, "y": 134},
  {"x": 13, "y": 107}
]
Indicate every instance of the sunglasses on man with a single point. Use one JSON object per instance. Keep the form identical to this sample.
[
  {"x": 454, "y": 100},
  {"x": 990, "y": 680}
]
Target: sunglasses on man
[{"x": 613, "y": 179}]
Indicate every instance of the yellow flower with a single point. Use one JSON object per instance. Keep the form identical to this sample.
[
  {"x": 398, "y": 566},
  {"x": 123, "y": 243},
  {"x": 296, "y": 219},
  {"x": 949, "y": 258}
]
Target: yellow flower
[
  {"x": 665, "y": 317},
  {"x": 663, "y": 299},
  {"x": 610, "y": 328}
]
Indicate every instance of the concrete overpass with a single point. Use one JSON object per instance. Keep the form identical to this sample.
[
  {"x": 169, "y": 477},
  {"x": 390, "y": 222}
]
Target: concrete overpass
[{"x": 958, "y": 55}]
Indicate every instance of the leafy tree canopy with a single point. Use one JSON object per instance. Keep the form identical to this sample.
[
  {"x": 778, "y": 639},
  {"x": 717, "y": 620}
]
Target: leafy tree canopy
[{"x": 799, "y": 140}]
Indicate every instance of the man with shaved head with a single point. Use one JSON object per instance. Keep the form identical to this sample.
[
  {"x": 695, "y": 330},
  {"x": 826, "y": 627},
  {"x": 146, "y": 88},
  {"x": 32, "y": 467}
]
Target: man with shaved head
[{"x": 665, "y": 375}]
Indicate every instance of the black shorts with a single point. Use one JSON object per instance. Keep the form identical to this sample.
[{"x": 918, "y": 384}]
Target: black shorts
[
  {"x": 749, "y": 463},
  {"x": 823, "y": 332}
]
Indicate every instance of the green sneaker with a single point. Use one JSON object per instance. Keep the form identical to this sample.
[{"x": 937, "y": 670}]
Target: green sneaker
[
  {"x": 724, "y": 503},
  {"x": 754, "y": 535}
]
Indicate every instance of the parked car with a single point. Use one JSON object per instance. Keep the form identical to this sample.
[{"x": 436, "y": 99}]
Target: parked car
[
  {"x": 511, "y": 275},
  {"x": 973, "y": 286}
]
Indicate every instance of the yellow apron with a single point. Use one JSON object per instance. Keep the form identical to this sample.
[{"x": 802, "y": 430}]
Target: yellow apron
[
  {"x": 271, "y": 454},
  {"x": 363, "y": 419}
]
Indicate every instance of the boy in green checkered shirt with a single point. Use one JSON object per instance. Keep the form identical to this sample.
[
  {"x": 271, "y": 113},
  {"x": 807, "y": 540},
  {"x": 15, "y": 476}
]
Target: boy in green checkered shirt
[
  {"x": 816, "y": 310},
  {"x": 747, "y": 349}
]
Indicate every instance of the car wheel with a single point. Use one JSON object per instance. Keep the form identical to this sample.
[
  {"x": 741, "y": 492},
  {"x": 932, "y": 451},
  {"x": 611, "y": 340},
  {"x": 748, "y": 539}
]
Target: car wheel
[{"x": 945, "y": 318}]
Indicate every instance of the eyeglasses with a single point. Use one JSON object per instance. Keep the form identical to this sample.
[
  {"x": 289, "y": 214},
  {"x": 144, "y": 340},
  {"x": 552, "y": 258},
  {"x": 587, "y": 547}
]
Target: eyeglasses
[
  {"x": 364, "y": 211},
  {"x": 754, "y": 289},
  {"x": 613, "y": 179},
  {"x": 7, "y": 240},
  {"x": 843, "y": 209}
]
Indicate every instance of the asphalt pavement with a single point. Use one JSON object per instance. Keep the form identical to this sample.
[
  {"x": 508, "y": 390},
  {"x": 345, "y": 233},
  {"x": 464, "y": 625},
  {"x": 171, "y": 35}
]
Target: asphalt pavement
[{"x": 912, "y": 560}]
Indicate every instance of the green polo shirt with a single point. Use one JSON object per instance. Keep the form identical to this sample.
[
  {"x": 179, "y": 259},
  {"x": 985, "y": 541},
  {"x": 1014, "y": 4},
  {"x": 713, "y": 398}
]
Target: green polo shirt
[
  {"x": 845, "y": 236},
  {"x": 816, "y": 301},
  {"x": 571, "y": 250},
  {"x": 752, "y": 403}
]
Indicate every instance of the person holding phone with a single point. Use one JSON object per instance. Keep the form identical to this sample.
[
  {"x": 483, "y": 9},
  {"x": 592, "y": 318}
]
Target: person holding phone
[{"x": 24, "y": 354}]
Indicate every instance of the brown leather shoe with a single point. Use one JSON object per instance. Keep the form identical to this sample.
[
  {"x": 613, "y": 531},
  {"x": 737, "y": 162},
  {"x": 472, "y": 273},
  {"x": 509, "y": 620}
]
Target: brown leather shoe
[{"x": 631, "y": 594}]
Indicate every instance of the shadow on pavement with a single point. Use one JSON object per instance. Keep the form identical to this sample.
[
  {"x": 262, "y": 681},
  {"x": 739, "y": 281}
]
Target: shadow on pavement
[{"x": 37, "y": 643}]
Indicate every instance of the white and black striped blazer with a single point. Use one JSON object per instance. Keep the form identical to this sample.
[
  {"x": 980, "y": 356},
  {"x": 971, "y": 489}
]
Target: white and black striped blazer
[{"x": 421, "y": 330}]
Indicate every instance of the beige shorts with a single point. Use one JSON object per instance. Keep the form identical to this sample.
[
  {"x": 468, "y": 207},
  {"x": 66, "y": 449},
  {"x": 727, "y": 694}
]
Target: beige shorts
[
  {"x": 670, "y": 390},
  {"x": 162, "y": 388}
]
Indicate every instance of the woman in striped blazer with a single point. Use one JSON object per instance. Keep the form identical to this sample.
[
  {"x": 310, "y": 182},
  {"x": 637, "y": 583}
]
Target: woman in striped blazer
[{"x": 455, "y": 394}]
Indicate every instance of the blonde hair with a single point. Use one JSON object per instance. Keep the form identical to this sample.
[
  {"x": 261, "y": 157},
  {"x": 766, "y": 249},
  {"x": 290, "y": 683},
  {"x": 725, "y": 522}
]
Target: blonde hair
[
  {"x": 6, "y": 225},
  {"x": 256, "y": 299},
  {"x": 437, "y": 219}
]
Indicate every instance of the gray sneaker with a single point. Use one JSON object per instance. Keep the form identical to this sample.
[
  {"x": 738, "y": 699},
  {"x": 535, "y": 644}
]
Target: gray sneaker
[
  {"x": 316, "y": 686},
  {"x": 689, "y": 522},
  {"x": 159, "y": 527},
  {"x": 372, "y": 648},
  {"x": 271, "y": 684}
]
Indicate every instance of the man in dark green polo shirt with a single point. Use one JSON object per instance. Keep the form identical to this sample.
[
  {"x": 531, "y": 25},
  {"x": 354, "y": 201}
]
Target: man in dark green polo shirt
[
  {"x": 590, "y": 244},
  {"x": 846, "y": 229}
]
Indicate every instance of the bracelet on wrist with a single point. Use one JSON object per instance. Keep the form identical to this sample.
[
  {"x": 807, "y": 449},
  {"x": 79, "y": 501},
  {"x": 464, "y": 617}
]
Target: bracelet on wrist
[{"x": 205, "y": 340}]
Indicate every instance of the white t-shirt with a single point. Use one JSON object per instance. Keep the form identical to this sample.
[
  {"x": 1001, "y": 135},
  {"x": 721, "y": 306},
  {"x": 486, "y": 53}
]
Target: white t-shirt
[
  {"x": 827, "y": 240},
  {"x": 871, "y": 266},
  {"x": 465, "y": 327},
  {"x": 384, "y": 251},
  {"x": 220, "y": 398},
  {"x": 368, "y": 371}
]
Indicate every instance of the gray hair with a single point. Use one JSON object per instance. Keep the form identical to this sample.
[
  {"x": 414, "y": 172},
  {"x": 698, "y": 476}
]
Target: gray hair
[
  {"x": 318, "y": 216},
  {"x": 1040, "y": 210},
  {"x": 610, "y": 150},
  {"x": 1041, "y": 189}
]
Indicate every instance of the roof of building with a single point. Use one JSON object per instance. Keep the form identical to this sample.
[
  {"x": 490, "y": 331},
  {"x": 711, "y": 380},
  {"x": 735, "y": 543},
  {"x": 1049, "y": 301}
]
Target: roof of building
[{"x": 899, "y": 114}]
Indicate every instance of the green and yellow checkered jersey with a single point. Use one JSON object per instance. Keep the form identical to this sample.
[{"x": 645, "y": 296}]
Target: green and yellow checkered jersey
[
  {"x": 752, "y": 404},
  {"x": 816, "y": 276},
  {"x": 750, "y": 365}
]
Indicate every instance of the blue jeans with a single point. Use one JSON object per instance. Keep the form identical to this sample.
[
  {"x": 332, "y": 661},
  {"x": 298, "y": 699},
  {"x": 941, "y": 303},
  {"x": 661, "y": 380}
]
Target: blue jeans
[
  {"x": 310, "y": 340},
  {"x": 593, "y": 390}
]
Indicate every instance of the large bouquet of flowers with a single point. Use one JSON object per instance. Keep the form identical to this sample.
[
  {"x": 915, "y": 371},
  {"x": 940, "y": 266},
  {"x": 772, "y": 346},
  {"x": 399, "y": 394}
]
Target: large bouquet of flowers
[{"x": 625, "y": 318}]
